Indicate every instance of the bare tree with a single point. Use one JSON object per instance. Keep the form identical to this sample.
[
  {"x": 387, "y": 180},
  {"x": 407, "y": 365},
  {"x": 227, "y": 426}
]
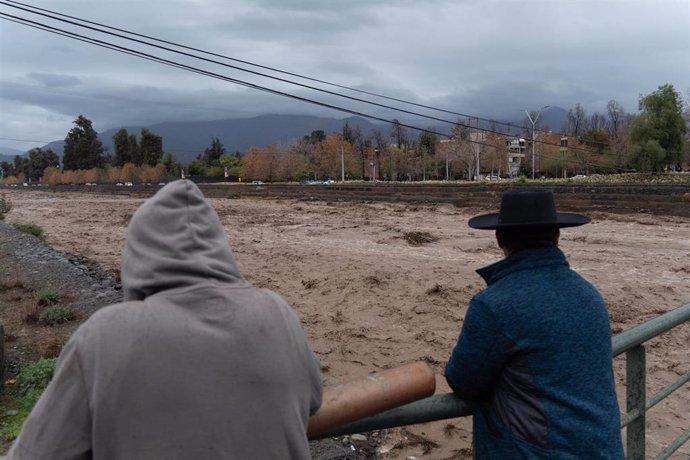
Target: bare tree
[
  {"x": 463, "y": 150},
  {"x": 616, "y": 116},
  {"x": 399, "y": 134},
  {"x": 597, "y": 121},
  {"x": 577, "y": 121}
]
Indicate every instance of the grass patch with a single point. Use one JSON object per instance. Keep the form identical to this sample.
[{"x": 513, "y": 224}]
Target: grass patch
[
  {"x": 31, "y": 229},
  {"x": 11, "y": 421},
  {"x": 56, "y": 314},
  {"x": 19, "y": 399},
  {"x": 47, "y": 297},
  {"x": 33, "y": 379}
]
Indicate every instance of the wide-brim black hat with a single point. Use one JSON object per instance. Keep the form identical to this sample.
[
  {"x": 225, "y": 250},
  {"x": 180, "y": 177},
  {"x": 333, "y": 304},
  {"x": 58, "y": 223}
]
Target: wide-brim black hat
[{"x": 524, "y": 209}]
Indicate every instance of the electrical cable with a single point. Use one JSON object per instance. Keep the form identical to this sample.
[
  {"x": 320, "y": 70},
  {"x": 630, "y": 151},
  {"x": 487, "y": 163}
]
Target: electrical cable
[
  {"x": 454, "y": 123},
  {"x": 140, "y": 54},
  {"x": 251, "y": 85},
  {"x": 510, "y": 125},
  {"x": 160, "y": 60}
]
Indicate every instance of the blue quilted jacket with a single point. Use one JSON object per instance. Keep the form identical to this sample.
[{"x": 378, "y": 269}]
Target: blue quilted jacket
[{"x": 535, "y": 354}]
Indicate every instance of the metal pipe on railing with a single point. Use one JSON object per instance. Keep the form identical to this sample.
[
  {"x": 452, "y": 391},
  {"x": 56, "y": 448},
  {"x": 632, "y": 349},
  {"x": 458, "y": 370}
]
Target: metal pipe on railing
[
  {"x": 629, "y": 339},
  {"x": 444, "y": 406},
  {"x": 656, "y": 399},
  {"x": 437, "y": 407},
  {"x": 636, "y": 389},
  {"x": 674, "y": 446}
]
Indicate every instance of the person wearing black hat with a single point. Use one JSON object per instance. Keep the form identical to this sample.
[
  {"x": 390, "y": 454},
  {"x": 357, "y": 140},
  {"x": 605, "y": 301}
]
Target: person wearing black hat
[{"x": 534, "y": 352}]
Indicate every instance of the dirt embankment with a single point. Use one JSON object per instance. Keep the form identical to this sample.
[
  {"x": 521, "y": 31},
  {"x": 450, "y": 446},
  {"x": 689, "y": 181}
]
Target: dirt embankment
[{"x": 370, "y": 300}]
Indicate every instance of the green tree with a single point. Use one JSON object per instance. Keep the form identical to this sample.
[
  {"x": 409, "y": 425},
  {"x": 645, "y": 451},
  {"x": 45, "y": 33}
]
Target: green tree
[
  {"x": 19, "y": 166},
  {"x": 596, "y": 139},
  {"x": 316, "y": 136},
  {"x": 233, "y": 163},
  {"x": 38, "y": 161},
  {"x": 172, "y": 166},
  {"x": 428, "y": 140},
  {"x": 212, "y": 154},
  {"x": 83, "y": 149},
  {"x": 646, "y": 156},
  {"x": 125, "y": 150},
  {"x": 661, "y": 120},
  {"x": 150, "y": 147},
  {"x": 5, "y": 169},
  {"x": 195, "y": 168},
  {"x": 134, "y": 150}
]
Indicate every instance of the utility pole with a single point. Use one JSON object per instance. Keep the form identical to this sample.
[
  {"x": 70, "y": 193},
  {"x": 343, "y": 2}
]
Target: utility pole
[
  {"x": 342, "y": 164},
  {"x": 476, "y": 145},
  {"x": 534, "y": 122}
]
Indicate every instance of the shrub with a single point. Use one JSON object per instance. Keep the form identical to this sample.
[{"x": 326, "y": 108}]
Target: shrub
[
  {"x": 12, "y": 424},
  {"x": 31, "y": 229},
  {"x": 5, "y": 206},
  {"x": 47, "y": 297},
  {"x": 21, "y": 398},
  {"x": 33, "y": 379},
  {"x": 57, "y": 314}
]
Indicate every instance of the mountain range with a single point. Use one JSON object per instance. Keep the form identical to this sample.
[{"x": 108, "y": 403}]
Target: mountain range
[{"x": 188, "y": 139}]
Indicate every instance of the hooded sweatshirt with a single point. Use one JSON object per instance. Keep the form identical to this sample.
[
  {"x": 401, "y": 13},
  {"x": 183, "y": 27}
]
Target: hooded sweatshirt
[{"x": 196, "y": 363}]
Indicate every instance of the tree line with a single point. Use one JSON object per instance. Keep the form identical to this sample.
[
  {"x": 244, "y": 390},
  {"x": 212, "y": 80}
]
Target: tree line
[{"x": 652, "y": 140}]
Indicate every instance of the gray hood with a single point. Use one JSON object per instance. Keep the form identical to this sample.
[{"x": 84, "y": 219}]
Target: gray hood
[{"x": 174, "y": 240}]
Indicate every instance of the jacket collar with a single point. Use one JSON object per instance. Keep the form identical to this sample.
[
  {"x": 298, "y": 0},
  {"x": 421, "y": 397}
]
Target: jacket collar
[{"x": 522, "y": 260}]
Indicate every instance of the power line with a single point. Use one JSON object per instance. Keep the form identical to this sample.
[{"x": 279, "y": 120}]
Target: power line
[
  {"x": 283, "y": 80},
  {"x": 168, "y": 62},
  {"x": 409, "y": 112},
  {"x": 246, "y": 70},
  {"x": 511, "y": 125},
  {"x": 143, "y": 55},
  {"x": 23, "y": 140},
  {"x": 457, "y": 122},
  {"x": 140, "y": 54}
]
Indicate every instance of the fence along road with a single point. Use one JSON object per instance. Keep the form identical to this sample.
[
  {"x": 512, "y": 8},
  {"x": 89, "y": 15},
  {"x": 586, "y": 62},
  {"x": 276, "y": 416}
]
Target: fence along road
[{"x": 630, "y": 342}]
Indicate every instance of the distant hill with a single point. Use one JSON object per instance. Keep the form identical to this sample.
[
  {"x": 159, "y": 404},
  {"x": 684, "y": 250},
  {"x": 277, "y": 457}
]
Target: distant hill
[
  {"x": 8, "y": 154},
  {"x": 188, "y": 139},
  {"x": 555, "y": 119}
]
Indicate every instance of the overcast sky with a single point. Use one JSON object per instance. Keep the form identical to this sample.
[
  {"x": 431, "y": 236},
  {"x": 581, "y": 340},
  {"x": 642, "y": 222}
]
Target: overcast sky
[{"x": 480, "y": 57}]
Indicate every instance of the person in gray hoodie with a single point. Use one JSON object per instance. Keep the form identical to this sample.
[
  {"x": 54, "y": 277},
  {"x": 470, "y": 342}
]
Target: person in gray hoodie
[{"x": 196, "y": 363}]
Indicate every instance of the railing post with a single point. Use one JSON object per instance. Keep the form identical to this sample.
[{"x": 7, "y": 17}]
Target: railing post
[{"x": 636, "y": 400}]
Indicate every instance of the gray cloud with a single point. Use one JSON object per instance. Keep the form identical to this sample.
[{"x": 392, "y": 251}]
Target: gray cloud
[
  {"x": 489, "y": 58},
  {"x": 55, "y": 81}
]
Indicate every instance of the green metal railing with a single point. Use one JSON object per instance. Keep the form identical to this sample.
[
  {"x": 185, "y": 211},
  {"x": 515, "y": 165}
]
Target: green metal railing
[{"x": 630, "y": 342}]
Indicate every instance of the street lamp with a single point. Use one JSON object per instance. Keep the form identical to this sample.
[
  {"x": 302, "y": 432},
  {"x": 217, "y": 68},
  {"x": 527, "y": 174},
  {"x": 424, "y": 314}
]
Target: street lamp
[{"x": 534, "y": 122}]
